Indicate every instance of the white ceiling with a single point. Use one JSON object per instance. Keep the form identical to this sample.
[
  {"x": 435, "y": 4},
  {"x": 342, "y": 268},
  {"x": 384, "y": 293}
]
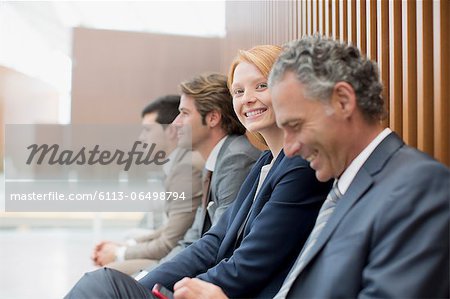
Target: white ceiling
[
  {"x": 36, "y": 37},
  {"x": 54, "y": 19}
]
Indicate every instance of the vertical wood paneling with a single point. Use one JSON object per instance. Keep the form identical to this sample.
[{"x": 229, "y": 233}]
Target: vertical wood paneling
[
  {"x": 300, "y": 19},
  {"x": 441, "y": 46},
  {"x": 276, "y": 25},
  {"x": 309, "y": 16},
  {"x": 283, "y": 18},
  {"x": 395, "y": 66},
  {"x": 313, "y": 16},
  {"x": 409, "y": 39},
  {"x": 315, "y": 8},
  {"x": 292, "y": 11},
  {"x": 425, "y": 140},
  {"x": 305, "y": 20},
  {"x": 268, "y": 5},
  {"x": 293, "y": 25},
  {"x": 352, "y": 22},
  {"x": 409, "y": 73},
  {"x": 288, "y": 13},
  {"x": 329, "y": 18},
  {"x": 253, "y": 19},
  {"x": 362, "y": 26},
  {"x": 324, "y": 18},
  {"x": 383, "y": 49},
  {"x": 344, "y": 20},
  {"x": 287, "y": 22},
  {"x": 297, "y": 20},
  {"x": 320, "y": 16},
  {"x": 271, "y": 23},
  {"x": 372, "y": 21},
  {"x": 298, "y": 5},
  {"x": 337, "y": 18},
  {"x": 268, "y": 22}
]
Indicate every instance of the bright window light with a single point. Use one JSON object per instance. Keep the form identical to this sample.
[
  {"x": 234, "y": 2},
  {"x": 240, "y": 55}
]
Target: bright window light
[{"x": 35, "y": 37}]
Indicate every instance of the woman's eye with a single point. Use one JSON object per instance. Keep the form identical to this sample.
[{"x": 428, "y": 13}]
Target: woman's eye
[
  {"x": 262, "y": 86},
  {"x": 237, "y": 92}
]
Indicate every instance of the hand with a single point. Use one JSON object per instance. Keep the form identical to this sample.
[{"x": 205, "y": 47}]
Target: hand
[
  {"x": 194, "y": 288},
  {"x": 105, "y": 253},
  {"x": 97, "y": 248}
]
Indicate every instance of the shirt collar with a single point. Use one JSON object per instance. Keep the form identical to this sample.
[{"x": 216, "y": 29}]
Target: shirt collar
[
  {"x": 212, "y": 158},
  {"x": 350, "y": 172}
]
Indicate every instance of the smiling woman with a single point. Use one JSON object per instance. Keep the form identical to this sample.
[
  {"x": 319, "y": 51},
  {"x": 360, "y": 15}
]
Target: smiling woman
[{"x": 247, "y": 81}]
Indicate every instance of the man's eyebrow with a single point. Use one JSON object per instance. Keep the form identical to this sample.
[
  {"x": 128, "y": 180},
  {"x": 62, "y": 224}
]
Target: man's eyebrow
[
  {"x": 183, "y": 109},
  {"x": 283, "y": 122},
  {"x": 288, "y": 122}
]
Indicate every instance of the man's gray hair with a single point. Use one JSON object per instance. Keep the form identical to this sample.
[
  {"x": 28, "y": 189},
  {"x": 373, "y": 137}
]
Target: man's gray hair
[{"x": 319, "y": 63}]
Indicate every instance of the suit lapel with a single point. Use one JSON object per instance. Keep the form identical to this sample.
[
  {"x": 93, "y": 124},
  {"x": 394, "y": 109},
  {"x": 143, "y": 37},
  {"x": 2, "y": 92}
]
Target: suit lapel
[
  {"x": 360, "y": 184},
  {"x": 353, "y": 194},
  {"x": 257, "y": 203},
  {"x": 220, "y": 155},
  {"x": 243, "y": 209},
  {"x": 272, "y": 169},
  {"x": 224, "y": 147}
]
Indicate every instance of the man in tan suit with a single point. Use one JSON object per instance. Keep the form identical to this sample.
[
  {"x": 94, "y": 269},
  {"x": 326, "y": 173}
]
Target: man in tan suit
[{"x": 182, "y": 174}]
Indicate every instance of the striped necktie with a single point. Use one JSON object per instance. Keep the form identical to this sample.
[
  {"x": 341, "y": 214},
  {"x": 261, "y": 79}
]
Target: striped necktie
[{"x": 324, "y": 215}]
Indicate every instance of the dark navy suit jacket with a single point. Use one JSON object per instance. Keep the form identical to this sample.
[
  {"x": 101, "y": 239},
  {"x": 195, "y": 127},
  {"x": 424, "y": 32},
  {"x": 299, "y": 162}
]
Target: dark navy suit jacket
[
  {"x": 389, "y": 234},
  {"x": 280, "y": 220}
]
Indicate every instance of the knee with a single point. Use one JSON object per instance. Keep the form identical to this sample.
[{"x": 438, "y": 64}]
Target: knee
[
  {"x": 97, "y": 275},
  {"x": 92, "y": 284}
]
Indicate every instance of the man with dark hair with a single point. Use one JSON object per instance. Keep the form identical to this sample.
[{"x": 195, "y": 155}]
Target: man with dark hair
[
  {"x": 164, "y": 108},
  {"x": 208, "y": 124},
  {"x": 182, "y": 174}
]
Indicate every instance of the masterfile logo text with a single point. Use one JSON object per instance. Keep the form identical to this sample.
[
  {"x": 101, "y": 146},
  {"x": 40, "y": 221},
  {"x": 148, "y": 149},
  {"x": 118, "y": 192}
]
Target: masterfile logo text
[{"x": 88, "y": 168}]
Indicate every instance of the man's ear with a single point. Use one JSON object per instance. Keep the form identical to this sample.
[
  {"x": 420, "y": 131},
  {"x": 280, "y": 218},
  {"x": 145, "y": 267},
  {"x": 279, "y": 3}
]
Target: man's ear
[
  {"x": 213, "y": 118},
  {"x": 343, "y": 99}
]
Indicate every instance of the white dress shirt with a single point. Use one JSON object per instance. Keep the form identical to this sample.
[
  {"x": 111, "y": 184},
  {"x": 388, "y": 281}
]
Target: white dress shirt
[{"x": 350, "y": 172}]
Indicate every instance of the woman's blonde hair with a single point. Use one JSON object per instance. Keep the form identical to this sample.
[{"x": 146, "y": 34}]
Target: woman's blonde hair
[{"x": 263, "y": 57}]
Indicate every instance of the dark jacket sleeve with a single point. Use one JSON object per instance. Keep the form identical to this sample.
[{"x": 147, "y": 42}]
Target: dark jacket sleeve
[
  {"x": 196, "y": 258},
  {"x": 276, "y": 236},
  {"x": 202, "y": 254}
]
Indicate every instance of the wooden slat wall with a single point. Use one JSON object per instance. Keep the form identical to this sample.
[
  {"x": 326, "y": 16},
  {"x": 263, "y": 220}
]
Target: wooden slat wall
[{"x": 409, "y": 39}]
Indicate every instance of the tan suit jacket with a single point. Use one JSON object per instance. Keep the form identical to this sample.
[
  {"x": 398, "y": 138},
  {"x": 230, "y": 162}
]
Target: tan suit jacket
[{"x": 184, "y": 176}]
